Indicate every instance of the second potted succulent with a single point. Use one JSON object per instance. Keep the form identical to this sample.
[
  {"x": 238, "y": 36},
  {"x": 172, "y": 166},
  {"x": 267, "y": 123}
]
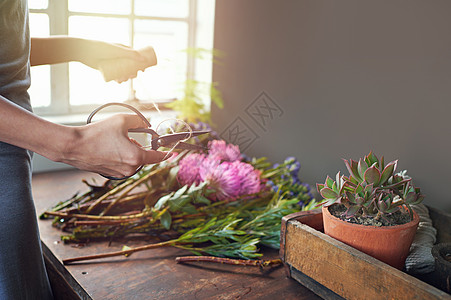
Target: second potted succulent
[{"x": 370, "y": 209}]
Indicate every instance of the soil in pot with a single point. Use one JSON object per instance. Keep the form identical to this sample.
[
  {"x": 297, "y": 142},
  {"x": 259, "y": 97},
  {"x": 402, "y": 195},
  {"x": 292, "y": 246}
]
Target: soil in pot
[
  {"x": 389, "y": 244},
  {"x": 397, "y": 218}
]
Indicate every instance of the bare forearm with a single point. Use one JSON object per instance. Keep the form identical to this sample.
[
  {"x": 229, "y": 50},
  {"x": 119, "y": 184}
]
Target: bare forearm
[
  {"x": 23, "y": 129},
  {"x": 103, "y": 147},
  {"x": 58, "y": 49}
]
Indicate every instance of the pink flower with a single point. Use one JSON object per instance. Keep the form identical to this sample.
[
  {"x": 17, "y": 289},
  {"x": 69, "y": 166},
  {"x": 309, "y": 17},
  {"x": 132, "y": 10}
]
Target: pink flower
[
  {"x": 222, "y": 170},
  {"x": 189, "y": 169},
  {"x": 249, "y": 177},
  {"x": 218, "y": 149},
  {"x": 230, "y": 179}
]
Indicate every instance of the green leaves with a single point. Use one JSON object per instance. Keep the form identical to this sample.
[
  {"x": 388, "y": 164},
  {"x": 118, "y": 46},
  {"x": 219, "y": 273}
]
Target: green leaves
[
  {"x": 361, "y": 167},
  {"x": 181, "y": 201},
  {"x": 372, "y": 188},
  {"x": 226, "y": 239},
  {"x": 180, "y": 198},
  {"x": 166, "y": 220},
  {"x": 329, "y": 182},
  {"x": 191, "y": 107},
  {"x": 413, "y": 196},
  {"x": 332, "y": 191},
  {"x": 351, "y": 211},
  {"x": 388, "y": 172},
  {"x": 372, "y": 175},
  {"x": 372, "y": 160},
  {"x": 352, "y": 167},
  {"x": 229, "y": 228},
  {"x": 328, "y": 193}
]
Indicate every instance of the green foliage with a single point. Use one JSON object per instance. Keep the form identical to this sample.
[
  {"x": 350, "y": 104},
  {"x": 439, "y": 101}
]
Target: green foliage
[
  {"x": 166, "y": 220},
  {"x": 202, "y": 53},
  {"x": 372, "y": 189},
  {"x": 237, "y": 234},
  {"x": 178, "y": 199},
  {"x": 186, "y": 216},
  {"x": 191, "y": 107}
]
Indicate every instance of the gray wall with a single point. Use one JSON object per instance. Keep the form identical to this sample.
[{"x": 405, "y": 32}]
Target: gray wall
[{"x": 343, "y": 78}]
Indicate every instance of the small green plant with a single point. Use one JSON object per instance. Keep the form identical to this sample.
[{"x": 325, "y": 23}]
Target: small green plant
[
  {"x": 372, "y": 189},
  {"x": 192, "y": 107}
]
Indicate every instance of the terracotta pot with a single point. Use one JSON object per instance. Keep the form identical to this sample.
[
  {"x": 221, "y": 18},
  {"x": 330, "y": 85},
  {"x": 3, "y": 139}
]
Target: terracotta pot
[{"x": 389, "y": 244}]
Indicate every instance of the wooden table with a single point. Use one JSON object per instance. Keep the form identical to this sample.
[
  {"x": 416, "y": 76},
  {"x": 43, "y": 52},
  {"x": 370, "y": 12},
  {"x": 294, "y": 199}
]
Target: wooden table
[{"x": 151, "y": 274}]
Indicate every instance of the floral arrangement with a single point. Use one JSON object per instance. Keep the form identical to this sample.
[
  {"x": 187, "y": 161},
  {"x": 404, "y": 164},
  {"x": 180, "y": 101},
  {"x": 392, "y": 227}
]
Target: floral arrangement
[{"x": 219, "y": 203}]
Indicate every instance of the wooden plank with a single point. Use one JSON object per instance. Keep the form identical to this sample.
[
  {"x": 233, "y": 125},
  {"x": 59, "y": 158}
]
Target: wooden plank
[
  {"x": 314, "y": 285},
  {"x": 347, "y": 271},
  {"x": 312, "y": 217},
  {"x": 64, "y": 285}
]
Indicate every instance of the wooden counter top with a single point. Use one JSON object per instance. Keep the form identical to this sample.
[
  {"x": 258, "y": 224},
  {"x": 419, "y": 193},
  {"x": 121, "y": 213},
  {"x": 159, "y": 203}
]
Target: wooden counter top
[{"x": 151, "y": 274}]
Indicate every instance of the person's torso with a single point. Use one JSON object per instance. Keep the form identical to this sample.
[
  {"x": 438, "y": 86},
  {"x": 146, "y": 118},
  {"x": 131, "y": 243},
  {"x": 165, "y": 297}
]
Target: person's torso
[{"x": 14, "y": 52}]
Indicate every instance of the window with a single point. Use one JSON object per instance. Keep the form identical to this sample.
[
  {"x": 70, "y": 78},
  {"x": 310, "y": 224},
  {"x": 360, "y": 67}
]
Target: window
[{"x": 170, "y": 26}]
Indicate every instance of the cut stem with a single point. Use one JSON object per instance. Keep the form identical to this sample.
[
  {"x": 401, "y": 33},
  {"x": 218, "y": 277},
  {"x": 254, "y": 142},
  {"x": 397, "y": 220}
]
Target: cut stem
[
  {"x": 119, "y": 253},
  {"x": 125, "y": 200},
  {"x": 129, "y": 189},
  {"x": 107, "y": 194},
  {"x": 105, "y": 222},
  {"x": 95, "y": 217},
  {"x": 229, "y": 261}
]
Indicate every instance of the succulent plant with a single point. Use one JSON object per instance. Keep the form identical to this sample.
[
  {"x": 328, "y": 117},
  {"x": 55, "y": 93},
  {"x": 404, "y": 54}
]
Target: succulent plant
[{"x": 371, "y": 189}]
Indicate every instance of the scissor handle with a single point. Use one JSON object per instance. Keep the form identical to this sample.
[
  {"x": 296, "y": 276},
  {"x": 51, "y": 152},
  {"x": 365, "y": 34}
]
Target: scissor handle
[
  {"x": 136, "y": 112},
  {"x": 95, "y": 111},
  {"x": 156, "y": 140}
]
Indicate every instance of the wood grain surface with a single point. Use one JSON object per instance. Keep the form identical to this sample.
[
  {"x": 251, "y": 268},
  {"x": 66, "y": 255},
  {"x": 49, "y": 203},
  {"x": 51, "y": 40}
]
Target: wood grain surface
[
  {"x": 152, "y": 274},
  {"x": 346, "y": 271}
]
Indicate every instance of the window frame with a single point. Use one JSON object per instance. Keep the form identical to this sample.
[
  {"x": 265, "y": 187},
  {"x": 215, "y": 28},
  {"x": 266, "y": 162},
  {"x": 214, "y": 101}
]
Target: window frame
[{"x": 59, "y": 14}]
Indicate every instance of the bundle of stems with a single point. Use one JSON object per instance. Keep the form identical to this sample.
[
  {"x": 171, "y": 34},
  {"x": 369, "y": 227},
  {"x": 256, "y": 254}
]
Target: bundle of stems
[{"x": 154, "y": 203}]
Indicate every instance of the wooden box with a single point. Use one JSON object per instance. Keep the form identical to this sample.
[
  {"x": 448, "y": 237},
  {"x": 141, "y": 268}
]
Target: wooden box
[{"x": 334, "y": 270}]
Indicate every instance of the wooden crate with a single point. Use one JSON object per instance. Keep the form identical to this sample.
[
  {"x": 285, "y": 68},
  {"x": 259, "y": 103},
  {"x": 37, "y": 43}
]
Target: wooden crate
[{"x": 334, "y": 270}]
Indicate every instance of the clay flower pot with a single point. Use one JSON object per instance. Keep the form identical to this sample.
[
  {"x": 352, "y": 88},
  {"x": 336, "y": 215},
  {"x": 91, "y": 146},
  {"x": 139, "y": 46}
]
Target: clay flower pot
[{"x": 389, "y": 244}]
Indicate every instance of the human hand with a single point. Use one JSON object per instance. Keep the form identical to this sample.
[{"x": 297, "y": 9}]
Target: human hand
[
  {"x": 122, "y": 69},
  {"x": 117, "y": 62},
  {"x": 104, "y": 147}
]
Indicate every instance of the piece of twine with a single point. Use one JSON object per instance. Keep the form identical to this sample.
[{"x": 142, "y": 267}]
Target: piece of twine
[{"x": 190, "y": 129}]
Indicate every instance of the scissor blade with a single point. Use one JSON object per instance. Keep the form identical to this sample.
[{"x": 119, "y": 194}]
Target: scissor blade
[
  {"x": 187, "y": 146},
  {"x": 144, "y": 130},
  {"x": 175, "y": 137}
]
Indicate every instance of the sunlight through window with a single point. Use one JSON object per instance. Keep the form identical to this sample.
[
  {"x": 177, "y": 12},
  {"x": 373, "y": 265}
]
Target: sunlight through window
[
  {"x": 40, "y": 75},
  {"x": 170, "y": 26}
]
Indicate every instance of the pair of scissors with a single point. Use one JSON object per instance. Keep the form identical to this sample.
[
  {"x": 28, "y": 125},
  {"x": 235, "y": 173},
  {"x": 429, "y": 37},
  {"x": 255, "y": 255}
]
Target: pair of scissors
[{"x": 172, "y": 140}]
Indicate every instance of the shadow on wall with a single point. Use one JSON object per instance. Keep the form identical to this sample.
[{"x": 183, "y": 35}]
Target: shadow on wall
[{"x": 323, "y": 80}]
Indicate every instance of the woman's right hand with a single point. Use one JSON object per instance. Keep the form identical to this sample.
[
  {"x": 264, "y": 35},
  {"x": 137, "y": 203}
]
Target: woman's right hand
[{"x": 104, "y": 147}]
